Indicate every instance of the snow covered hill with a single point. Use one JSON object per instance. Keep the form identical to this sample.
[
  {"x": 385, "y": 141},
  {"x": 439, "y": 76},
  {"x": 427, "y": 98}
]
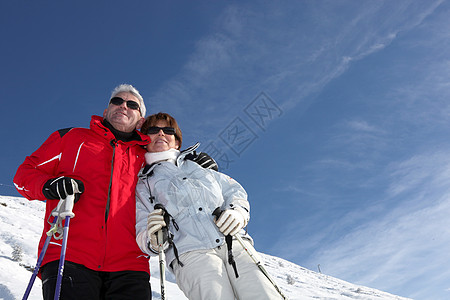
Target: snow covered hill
[{"x": 21, "y": 226}]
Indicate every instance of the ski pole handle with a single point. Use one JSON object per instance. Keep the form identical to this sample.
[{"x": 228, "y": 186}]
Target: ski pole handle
[
  {"x": 159, "y": 206},
  {"x": 217, "y": 212},
  {"x": 160, "y": 238},
  {"x": 68, "y": 206},
  {"x": 64, "y": 207}
]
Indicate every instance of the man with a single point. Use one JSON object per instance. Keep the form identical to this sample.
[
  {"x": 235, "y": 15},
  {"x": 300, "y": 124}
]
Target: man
[{"x": 100, "y": 166}]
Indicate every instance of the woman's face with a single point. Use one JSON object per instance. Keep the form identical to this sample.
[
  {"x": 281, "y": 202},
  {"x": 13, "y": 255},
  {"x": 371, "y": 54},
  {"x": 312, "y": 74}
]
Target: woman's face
[{"x": 161, "y": 141}]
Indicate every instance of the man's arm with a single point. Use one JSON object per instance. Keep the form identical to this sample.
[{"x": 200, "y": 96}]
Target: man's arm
[{"x": 38, "y": 168}]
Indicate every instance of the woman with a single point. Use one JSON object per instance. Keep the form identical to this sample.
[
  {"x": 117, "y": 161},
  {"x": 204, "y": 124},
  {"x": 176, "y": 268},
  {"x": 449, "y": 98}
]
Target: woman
[{"x": 188, "y": 196}]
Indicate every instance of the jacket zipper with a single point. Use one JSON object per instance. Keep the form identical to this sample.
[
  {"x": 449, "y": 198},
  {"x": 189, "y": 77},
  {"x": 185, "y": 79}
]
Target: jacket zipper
[{"x": 113, "y": 144}]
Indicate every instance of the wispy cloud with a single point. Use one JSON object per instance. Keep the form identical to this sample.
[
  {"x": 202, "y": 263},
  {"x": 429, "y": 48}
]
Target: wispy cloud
[
  {"x": 293, "y": 53},
  {"x": 395, "y": 249},
  {"x": 397, "y": 245},
  {"x": 255, "y": 49},
  {"x": 421, "y": 172},
  {"x": 360, "y": 139},
  {"x": 363, "y": 126}
]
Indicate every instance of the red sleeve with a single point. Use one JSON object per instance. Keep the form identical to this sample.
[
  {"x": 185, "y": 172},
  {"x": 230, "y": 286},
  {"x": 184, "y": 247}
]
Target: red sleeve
[{"x": 39, "y": 167}]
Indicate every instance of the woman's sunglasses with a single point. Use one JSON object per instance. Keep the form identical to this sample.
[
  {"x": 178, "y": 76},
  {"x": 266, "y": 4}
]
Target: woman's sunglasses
[
  {"x": 166, "y": 130},
  {"x": 130, "y": 104}
]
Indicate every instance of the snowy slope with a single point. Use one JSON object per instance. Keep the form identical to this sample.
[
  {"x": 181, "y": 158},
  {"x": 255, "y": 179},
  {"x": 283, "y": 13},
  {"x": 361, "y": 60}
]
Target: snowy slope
[{"x": 21, "y": 226}]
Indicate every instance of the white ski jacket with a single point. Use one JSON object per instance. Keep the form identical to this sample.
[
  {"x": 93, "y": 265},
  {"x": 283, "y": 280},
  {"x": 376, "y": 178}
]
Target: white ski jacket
[{"x": 190, "y": 194}]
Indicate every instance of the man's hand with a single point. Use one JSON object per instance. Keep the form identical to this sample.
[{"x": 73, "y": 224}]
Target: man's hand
[
  {"x": 59, "y": 188},
  {"x": 203, "y": 160}
]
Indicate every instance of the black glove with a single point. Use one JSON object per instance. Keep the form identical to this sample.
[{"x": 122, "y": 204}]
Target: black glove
[
  {"x": 59, "y": 188},
  {"x": 203, "y": 160}
]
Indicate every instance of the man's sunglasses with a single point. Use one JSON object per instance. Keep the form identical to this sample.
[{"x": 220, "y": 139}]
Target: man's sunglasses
[
  {"x": 130, "y": 104},
  {"x": 166, "y": 130}
]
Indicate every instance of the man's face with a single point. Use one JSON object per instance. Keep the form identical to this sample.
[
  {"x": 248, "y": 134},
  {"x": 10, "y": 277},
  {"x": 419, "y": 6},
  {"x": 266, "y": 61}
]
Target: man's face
[{"x": 121, "y": 116}]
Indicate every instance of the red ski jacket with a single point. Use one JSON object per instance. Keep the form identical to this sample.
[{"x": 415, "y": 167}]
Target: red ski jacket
[{"x": 102, "y": 234}]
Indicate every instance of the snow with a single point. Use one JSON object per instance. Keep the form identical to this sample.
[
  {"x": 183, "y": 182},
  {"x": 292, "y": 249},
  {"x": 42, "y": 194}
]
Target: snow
[{"x": 21, "y": 223}]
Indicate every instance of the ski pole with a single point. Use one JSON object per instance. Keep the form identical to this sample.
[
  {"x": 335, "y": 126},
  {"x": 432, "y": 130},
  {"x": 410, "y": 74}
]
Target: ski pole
[
  {"x": 62, "y": 259},
  {"x": 65, "y": 211},
  {"x": 260, "y": 266},
  {"x": 40, "y": 259},
  {"x": 217, "y": 212},
  {"x": 162, "y": 258},
  {"x": 162, "y": 264}
]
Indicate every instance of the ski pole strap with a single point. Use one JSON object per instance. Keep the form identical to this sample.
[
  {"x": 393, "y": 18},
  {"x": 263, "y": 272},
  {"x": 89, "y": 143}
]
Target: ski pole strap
[
  {"x": 229, "y": 240},
  {"x": 175, "y": 251},
  {"x": 62, "y": 210},
  {"x": 56, "y": 229},
  {"x": 167, "y": 218},
  {"x": 231, "y": 261}
]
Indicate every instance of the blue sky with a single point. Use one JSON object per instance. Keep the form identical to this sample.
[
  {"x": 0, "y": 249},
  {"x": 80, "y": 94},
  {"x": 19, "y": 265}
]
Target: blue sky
[{"x": 332, "y": 114}]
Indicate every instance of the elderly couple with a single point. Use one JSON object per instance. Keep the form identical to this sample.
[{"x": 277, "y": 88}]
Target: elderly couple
[{"x": 118, "y": 174}]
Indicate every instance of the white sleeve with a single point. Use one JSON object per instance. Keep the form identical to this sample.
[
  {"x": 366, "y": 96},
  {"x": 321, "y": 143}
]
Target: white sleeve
[
  {"x": 143, "y": 208},
  {"x": 234, "y": 195}
]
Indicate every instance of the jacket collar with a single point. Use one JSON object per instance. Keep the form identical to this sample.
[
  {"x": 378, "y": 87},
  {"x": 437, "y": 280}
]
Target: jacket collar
[
  {"x": 154, "y": 157},
  {"x": 148, "y": 169}
]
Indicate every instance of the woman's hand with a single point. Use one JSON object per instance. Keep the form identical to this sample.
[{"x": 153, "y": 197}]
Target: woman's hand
[
  {"x": 231, "y": 221},
  {"x": 155, "y": 222}
]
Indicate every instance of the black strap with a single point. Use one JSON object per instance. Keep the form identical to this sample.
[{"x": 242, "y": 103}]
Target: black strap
[
  {"x": 229, "y": 240},
  {"x": 167, "y": 218},
  {"x": 175, "y": 251},
  {"x": 231, "y": 261}
]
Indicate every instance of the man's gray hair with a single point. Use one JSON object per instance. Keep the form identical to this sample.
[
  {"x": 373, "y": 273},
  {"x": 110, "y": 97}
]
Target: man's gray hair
[{"x": 128, "y": 88}]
